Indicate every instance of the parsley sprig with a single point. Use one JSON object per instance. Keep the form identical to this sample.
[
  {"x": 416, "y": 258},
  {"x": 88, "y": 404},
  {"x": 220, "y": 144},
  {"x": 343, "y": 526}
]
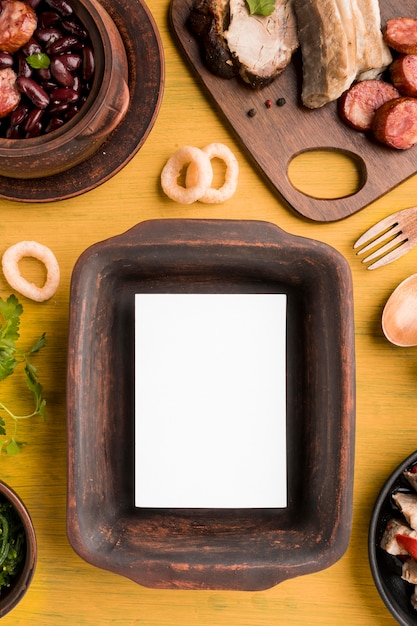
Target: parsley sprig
[
  {"x": 261, "y": 7},
  {"x": 10, "y": 358}
]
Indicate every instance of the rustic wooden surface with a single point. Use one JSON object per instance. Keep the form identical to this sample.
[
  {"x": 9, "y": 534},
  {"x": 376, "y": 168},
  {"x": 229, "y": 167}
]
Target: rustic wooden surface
[
  {"x": 277, "y": 135},
  {"x": 66, "y": 589}
]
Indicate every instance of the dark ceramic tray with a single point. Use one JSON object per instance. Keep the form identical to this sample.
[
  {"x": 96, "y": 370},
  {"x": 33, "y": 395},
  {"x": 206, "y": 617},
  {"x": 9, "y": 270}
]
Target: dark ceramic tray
[
  {"x": 386, "y": 569},
  {"x": 146, "y": 83},
  {"x": 242, "y": 549}
]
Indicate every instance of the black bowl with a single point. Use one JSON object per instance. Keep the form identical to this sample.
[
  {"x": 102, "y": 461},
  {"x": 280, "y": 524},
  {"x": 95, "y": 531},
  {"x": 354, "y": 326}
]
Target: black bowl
[
  {"x": 12, "y": 595},
  {"x": 386, "y": 569}
]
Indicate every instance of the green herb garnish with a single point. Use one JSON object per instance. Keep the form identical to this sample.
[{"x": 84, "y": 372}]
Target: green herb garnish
[
  {"x": 39, "y": 61},
  {"x": 12, "y": 544},
  {"x": 10, "y": 357},
  {"x": 261, "y": 7}
]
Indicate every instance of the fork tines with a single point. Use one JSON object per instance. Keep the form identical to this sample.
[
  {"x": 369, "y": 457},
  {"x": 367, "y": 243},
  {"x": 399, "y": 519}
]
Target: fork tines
[{"x": 385, "y": 241}]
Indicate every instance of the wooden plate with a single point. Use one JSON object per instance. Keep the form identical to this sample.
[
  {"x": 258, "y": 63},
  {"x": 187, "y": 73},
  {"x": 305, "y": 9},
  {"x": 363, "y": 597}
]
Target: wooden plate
[
  {"x": 246, "y": 549},
  {"x": 276, "y": 135},
  {"x": 146, "y": 83}
]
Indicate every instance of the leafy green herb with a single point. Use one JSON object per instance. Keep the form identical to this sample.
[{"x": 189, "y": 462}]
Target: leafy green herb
[
  {"x": 10, "y": 357},
  {"x": 39, "y": 61},
  {"x": 261, "y": 7},
  {"x": 12, "y": 544}
]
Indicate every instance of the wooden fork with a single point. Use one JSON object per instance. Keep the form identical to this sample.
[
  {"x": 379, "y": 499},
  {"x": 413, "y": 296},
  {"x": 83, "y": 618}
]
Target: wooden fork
[{"x": 389, "y": 239}]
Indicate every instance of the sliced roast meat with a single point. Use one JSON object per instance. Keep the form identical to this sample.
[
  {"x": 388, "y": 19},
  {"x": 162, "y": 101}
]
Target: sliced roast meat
[
  {"x": 207, "y": 20},
  {"x": 372, "y": 53},
  {"x": 261, "y": 45}
]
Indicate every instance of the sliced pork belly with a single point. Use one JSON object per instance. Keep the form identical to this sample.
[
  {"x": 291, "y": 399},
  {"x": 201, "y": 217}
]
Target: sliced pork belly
[
  {"x": 407, "y": 503},
  {"x": 341, "y": 41},
  {"x": 262, "y": 45},
  {"x": 389, "y": 542},
  {"x": 409, "y": 571},
  {"x": 372, "y": 53},
  {"x": 328, "y": 46}
]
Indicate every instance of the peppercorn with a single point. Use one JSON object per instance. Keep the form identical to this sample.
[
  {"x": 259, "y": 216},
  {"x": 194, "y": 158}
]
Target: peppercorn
[
  {"x": 252, "y": 112},
  {"x": 281, "y": 102},
  {"x": 268, "y": 104}
]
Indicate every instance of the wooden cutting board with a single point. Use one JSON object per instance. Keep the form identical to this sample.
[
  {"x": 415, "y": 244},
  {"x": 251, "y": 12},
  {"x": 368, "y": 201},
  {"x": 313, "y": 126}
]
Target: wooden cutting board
[{"x": 274, "y": 136}]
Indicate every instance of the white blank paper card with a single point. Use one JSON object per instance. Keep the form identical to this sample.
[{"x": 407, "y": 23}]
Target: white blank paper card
[{"x": 210, "y": 401}]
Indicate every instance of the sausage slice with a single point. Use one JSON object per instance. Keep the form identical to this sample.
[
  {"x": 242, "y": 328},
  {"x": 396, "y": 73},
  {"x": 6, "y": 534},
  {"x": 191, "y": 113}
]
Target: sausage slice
[
  {"x": 404, "y": 74},
  {"x": 9, "y": 93},
  {"x": 17, "y": 24},
  {"x": 358, "y": 104},
  {"x": 395, "y": 123},
  {"x": 400, "y": 33}
]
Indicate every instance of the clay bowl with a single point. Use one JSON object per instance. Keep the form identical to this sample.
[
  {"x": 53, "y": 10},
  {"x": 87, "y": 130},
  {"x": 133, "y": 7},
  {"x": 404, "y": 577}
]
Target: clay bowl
[
  {"x": 81, "y": 137},
  {"x": 11, "y": 596}
]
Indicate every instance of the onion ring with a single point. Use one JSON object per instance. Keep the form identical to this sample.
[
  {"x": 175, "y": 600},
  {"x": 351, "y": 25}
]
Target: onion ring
[
  {"x": 226, "y": 191},
  {"x": 10, "y": 264},
  {"x": 202, "y": 179}
]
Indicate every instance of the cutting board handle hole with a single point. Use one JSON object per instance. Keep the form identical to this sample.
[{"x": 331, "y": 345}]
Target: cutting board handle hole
[{"x": 327, "y": 173}]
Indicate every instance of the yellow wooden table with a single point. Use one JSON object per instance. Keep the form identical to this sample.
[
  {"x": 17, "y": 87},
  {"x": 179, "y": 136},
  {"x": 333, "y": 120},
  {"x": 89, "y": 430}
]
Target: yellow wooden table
[{"x": 68, "y": 591}]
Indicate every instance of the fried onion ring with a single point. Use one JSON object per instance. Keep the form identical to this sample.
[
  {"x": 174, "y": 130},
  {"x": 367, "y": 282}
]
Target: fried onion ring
[
  {"x": 172, "y": 170},
  {"x": 226, "y": 191},
  {"x": 11, "y": 271}
]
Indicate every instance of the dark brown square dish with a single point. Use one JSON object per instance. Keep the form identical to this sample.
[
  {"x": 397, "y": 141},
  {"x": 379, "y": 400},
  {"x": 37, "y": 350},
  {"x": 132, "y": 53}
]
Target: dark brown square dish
[{"x": 242, "y": 549}]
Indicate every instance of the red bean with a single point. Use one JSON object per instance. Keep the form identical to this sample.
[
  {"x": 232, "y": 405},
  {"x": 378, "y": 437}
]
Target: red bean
[
  {"x": 61, "y": 74},
  {"x": 71, "y": 61},
  {"x": 47, "y": 35},
  {"x": 6, "y": 60},
  {"x": 54, "y": 123},
  {"x": 56, "y": 109},
  {"x": 47, "y": 19},
  {"x": 23, "y": 69},
  {"x": 18, "y": 115},
  {"x": 88, "y": 63},
  {"x": 31, "y": 47},
  {"x": 61, "y": 6},
  {"x": 35, "y": 131},
  {"x": 33, "y": 91},
  {"x": 72, "y": 111},
  {"x": 64, "y": 44},
  {"x": 32, "y": 120},
  {"x": 48, "y": 85},
  {"x": 75, "y": 29},
  {"x": 64, "y": 94},
  {"x": 13, "y": 132}
]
